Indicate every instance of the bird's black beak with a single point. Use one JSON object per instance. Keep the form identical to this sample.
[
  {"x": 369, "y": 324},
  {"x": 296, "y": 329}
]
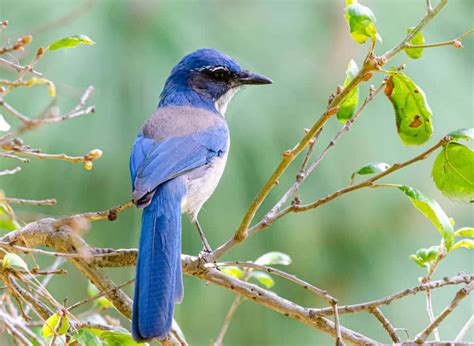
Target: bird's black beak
[{"x": 247, "y": 77}]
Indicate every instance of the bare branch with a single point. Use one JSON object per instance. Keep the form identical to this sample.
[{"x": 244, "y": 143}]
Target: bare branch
[
  {"x": 465, "y": 329},
  {"x": 22, "y": 201},
  {"x": 290, "y": 277},
  {"x": 460, "y": 295},
  {"x": 456, "y": 43},
  {"x": 386, "y": 324},
  {"x": 10, "y": 171}
]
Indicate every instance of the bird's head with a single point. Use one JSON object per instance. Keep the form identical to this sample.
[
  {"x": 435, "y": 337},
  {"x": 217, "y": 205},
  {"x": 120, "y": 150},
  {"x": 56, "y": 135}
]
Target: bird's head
[{"x": 209, "y": 78}]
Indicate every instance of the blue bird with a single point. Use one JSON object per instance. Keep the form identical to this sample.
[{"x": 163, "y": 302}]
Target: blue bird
[{"x": 175, "y": 165}]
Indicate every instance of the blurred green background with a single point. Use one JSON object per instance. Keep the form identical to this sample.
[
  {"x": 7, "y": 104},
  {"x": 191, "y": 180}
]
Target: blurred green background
[{"x": 357, "y": 247}]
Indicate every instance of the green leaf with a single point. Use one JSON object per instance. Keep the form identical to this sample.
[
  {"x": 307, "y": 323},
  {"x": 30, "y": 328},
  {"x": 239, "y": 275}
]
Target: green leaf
[
  {"x": 467, "y": 134},
  {"x": 412, "y": 112},
  {"x": 453, "y": 172},
  {"x": 465, "y": 243},
  {"x": 13, "y": 261},
  {"x": 101, "y": 302},
  {"x": 50, "y": 326},
  {"x": 371, "y": 168},
  {"x": 265, "y": 279},
  {"x": 423, "y": 256},
  {"x": 86, "y": 338},
  {"x": 272, "y": 258},
  {"x": 432, "y": 210},
  {"x": 350, "y": 103},
  {"x": 361, "y": 22},
  {"x": 6, "y": 222},
  {"x": 118, "y": 338},
  {"x": 418, "y": 39},
  {"x": 236, "y": 272},
  {"x": 71, "y": 42},
  {"x": 464, "y": 232}
]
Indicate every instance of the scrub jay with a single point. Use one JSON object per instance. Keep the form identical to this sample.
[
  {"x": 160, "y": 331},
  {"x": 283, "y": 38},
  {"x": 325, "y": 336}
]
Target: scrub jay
[{"x": 175, "y": 165}]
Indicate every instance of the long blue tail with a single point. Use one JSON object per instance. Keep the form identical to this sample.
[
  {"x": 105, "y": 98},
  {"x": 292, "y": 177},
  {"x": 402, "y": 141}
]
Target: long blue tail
[{"x": 158, "y": 279}]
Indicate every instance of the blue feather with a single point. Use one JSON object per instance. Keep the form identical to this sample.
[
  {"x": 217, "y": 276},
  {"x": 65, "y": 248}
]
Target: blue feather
[{"x": 158, "y": 280}]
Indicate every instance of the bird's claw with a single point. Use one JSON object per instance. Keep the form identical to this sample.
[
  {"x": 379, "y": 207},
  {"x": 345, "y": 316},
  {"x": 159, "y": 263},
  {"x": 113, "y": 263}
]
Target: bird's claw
[{"x": 204, "y": 256}]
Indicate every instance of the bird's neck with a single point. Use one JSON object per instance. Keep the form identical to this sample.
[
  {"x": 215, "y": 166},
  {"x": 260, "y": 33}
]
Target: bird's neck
[{"x": 188, "y": 98}]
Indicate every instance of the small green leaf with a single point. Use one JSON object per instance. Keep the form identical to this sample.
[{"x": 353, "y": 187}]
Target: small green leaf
[
  {"x": 265, "y": 279},
  {"x": 418, "y": 39},
  {"x": 101, "y": 302},
  {"x": 361, "y": 22},
  {"x": 71, "y": 42},
  {"x": 412, "y": 112},
  {"x": 432, "y": 210},
  {"x": 236, "y": 272},
  {"x": 4, "y": 126},
  {"x": 6, "y": 222},
  {"x": 272, "y": 258},
  {"x": 467, "y": 134},
  {"x": 465, "y": 243},
  {"x": 453, "y": 172},
  {"x": 371, "y": 168},
  {"x": 349, "y": 105},
  {"x": 423, "y": 256},
  {"x": 464, "y": 232},
  {"x": 118, "y": 338},
  {"x": 50, "y": 326},
  {"x": 86, "y": 338},
  {"x": 13, "y": 261}
]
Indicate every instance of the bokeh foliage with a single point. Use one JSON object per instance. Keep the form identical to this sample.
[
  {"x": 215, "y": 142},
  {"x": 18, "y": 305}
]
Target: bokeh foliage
[{"x": 356, "y": 247}]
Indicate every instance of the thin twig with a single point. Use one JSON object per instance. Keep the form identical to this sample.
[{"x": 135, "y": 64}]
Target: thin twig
[
  {"x": 350, "y": 309},
  {"x": 429, "y": 310},
  {"x": 22, "y": 201},
  {"x": 465, "y": 329},
  {"x": 18, "y": 67},
  {"x": 460, "y": 295},
  {"x": 290, "y": 277},
  {"x": 10, "y": 171},
  {"x": 454, "y": 42},
  {"x": 232, "y": 310},
  {"x": 386, "y": 324},
  {"x": 98, "y": 295}
]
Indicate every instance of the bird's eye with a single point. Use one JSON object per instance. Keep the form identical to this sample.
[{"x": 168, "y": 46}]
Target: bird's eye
[{"x": 219, "y": 74}]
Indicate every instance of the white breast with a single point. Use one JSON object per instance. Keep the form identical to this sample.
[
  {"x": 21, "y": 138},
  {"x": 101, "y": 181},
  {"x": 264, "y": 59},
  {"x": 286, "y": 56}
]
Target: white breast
[{"x": 201, "y": 183}]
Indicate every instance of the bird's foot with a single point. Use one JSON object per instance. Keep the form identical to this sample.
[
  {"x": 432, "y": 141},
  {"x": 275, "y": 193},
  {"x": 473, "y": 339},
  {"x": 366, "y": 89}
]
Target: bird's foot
[{"x": 205, "y": 255}]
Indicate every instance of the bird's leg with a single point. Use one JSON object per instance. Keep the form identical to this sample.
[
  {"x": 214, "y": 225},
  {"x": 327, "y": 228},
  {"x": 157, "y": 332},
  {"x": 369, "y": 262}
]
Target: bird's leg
[{"x": 205, "y": 243}]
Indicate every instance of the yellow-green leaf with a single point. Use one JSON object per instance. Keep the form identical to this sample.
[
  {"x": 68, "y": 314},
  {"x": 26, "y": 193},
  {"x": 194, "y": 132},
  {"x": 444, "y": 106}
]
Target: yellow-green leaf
[
  {"x": 349, "y": 105},
  {"x": 101, "y": 302},
  {"x": 265, "y": 279},
  {"x": 51, "y": 325},
  {"x": 71, "y": 42},
  {"x": 236, "y": 272},
  {"x": 465, "y": 243},
  {"x": 274, "y": 257},
  {"x": 13, "y": 261},
  {"x": 412, "y": 112},
  {"x": 453, "y": 172},
  {"x": 432, "y": 210},
  {"x": 418, "y": 39},
  {"x": 361, "y": 22},
  {"x": 118, "y": 338},
  {"x": 464, "y": 232},
  {"x": 6, "y": 222}
]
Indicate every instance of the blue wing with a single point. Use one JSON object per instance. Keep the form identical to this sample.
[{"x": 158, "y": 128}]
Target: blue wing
[{"x": 153, "y": 163}]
